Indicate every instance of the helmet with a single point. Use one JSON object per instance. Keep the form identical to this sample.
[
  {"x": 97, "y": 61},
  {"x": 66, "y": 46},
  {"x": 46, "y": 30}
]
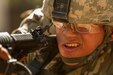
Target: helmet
[{"x": 84, "y": 11}]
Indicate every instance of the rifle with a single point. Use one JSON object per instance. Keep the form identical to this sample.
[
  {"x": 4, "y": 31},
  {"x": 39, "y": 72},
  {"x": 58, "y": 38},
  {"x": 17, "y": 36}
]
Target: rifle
[{"x": 20, "y": 45}]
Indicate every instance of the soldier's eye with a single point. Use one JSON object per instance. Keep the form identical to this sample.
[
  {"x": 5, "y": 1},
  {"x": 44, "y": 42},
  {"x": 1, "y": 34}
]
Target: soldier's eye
[{"x": 82, "y": 29}]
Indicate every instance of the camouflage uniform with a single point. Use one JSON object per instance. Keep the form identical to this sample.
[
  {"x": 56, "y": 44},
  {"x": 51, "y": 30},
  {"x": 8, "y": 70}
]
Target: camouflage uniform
[{"x": 81, "y": 11}]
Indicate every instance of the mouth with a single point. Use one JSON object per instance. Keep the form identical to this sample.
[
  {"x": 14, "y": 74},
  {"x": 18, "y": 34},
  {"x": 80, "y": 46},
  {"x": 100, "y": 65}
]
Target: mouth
[
  {"x": 72, "y": 45},
  {"x": 70, "y": 48}
]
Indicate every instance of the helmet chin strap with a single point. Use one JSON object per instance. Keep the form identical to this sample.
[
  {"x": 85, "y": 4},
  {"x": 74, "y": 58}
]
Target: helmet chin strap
[{"x": 91, "y": 57}]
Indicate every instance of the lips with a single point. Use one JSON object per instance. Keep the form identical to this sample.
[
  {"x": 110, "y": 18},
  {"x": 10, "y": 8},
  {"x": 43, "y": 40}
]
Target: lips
[
  {"x": 70, "y": 49},
  {"x": 72, "y": 46}
]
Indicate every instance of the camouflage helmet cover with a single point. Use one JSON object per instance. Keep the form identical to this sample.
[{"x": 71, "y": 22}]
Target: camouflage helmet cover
[{"x": 85, "y": 11}]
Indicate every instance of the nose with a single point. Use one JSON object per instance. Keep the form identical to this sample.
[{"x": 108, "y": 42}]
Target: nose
[{"x": 70, "y": 31}]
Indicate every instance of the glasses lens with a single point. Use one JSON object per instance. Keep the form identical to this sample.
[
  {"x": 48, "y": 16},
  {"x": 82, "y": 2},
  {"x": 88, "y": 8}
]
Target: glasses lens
[
  {"x": 81, "y": 28},
  {"x": 58, "y": 24},
  {"x": 87, "y": 28}
]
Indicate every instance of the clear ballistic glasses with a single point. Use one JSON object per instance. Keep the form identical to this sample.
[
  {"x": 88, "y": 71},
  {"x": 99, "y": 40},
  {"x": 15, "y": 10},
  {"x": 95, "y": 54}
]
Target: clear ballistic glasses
[{"x": 80, "y": 28}]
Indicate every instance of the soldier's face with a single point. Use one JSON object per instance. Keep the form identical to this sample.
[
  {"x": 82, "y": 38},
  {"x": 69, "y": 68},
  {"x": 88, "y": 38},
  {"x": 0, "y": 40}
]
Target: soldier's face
[{"x": 73, "y": 44}]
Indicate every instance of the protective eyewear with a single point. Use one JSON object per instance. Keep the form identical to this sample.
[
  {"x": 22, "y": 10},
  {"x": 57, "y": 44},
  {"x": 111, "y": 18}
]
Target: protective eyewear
[{"x": 80, "y": 28}]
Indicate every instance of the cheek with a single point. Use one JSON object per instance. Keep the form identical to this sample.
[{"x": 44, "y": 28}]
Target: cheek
[
  {"x": 93, "y": 42},
  {"x": 59, "y": 33},
  {"x": 58, "y": 30}
]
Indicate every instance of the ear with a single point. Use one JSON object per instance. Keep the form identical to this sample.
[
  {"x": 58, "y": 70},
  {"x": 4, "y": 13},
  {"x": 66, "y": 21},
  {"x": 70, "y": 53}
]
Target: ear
[{"x": 111, "y": 38}]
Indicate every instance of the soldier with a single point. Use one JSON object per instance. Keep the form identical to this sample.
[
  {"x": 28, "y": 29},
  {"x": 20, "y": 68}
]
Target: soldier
[{"x": 84, "y": 36}]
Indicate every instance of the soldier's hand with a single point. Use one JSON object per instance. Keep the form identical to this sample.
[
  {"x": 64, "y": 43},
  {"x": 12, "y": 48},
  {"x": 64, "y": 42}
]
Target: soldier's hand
[
  {"x": 4, "y": 54},
  {"x": 1, "y": 74}
]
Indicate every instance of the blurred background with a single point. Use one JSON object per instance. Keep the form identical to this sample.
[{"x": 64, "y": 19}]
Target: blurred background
[{"x": 11, "y": 12}]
